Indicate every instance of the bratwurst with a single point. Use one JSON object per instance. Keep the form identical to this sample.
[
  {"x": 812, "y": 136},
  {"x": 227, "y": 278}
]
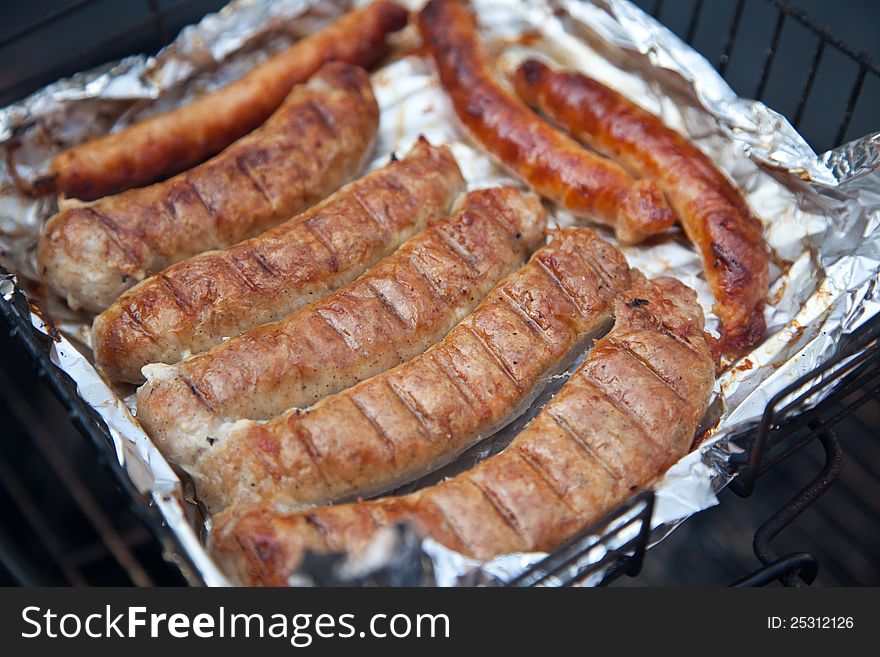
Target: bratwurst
[
  {"x": 622, "y": 419},
  {"x": 316, "y": 141},
  {"x": 195, "y": 304},
  {"x": 389, "y": 315},
  {"x": 414, "y": 418}
]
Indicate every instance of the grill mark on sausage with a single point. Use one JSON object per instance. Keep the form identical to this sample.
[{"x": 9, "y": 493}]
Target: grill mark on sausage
[
  {"x": 559, "y": 284},
  {"x": 501, "y": 510},
  {"x": 170, "y": 207},
  {"x": 212, "y": 211},
  {"x": 514, "y": 305},
  {"x": 484, "y": 343},
  {"x": 309, "y": 448},
  {"x": 675, "y": 335},
  {"x": 114, "y": 232},
  {"x": 198, "y": 392},
  {"x": 460, "y": 252},
  {"x": 527, "y": 459},
  {"x": 606, "y": 287},
  {"x": 645, "y": 312},
  {"x": 356, "y": 195},
  {"x": 625, "y": 410},
  {"x": 324, "y": 242},
  {"x": 625, "y": 348},
  {"x": 454, "y": 529},
  {"x": 380, "y": 431},
  {"x": 324, "y": 533},
  {"x": 387, "y": 305},
  {"x": 237, "y": 272},
  {"x": 414, "y": 409},
  {"x": 563, "y": 424},
  {"x": 138, "y": 325},
  {"x": 430, "y": 280},
  {"x": 324, "y": 117},
  {"x": 242, "y": 168},
  {"x": 261, "y": 261},
  {"x": 181, "y": 301},
  {"x": 510, "y": 219},
  {"x": 349, "y": 340},
  {"x": 454, "y": 378}
]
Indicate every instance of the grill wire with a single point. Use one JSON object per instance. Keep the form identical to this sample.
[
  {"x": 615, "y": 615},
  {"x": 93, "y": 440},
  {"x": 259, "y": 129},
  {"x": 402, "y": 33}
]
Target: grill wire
[{"x": 64, "y": 521}]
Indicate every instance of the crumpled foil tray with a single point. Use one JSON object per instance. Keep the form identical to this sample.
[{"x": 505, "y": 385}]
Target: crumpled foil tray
[{"x": 821, "y": 215}]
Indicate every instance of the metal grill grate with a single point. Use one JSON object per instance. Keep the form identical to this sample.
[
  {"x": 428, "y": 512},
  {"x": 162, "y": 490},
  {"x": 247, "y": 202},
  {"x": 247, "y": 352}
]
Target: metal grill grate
[
  {"x": 751, "y": 65},
  {"x": 824, "y": 66}
]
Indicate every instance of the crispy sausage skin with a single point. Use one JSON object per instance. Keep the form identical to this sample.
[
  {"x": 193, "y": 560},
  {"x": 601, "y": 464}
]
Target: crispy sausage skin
[
  {"x": 316, "y": 141},
  {"x": 712, "y": 211},
  {"x": 626, "y": 415},
  {"x": 389, "y": 315},
  {"x": 195, "y": 304},
  {"x": 553, "y": 164},
  {"x": 166, "y": 144},
  {"x": 414, "y": 418}
]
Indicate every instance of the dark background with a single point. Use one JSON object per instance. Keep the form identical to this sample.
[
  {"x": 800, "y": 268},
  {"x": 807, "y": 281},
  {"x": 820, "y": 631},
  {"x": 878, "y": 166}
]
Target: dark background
[{"x": 62, "y": 518}]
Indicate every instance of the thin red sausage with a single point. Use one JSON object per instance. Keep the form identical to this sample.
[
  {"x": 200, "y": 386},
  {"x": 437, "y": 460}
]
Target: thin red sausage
[
  {"x": 553, "y": 164},
  {"x": 163, "y": 145}
]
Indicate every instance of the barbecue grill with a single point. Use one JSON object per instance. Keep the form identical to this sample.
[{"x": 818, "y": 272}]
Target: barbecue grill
[{"x": 61, "y": 521}]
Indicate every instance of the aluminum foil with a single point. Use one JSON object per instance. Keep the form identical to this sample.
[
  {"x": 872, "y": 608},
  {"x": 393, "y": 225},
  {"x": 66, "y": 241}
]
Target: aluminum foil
[{"x": 821, "y": 216}]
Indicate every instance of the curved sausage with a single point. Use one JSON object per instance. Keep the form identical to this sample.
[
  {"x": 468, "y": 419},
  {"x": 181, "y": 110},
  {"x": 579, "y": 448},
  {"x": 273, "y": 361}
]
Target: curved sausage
[
  {"x": 554, "y": 165},
  {"x": 316, "y": 141},
  {"x": 389, "y": 315},
  {"x": 163, "y": 145},
  {"x": 711, "y": 210},
  {"x": 620, "y": 421},
  {"x": 195, "y": 304},
  {"x": 408, "y": 421}
]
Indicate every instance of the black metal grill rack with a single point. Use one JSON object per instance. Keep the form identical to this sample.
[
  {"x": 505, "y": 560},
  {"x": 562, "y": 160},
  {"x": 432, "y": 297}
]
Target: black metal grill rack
[{"x": 853, "y": 373}]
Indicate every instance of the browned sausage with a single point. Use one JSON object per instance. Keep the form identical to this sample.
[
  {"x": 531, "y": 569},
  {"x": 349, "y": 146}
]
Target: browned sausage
[
  {"x": 627, "y": 414},
  {"x": 389, "y": 315},
  {"x": 711, "y": 210},
  {"x": 554, "y": 165},
  {"x": 195, "y": 304},
  {"x": 410, "y": 420},
  {"x": 316, "y": 141},
  {"x": 168, "y": 143}
]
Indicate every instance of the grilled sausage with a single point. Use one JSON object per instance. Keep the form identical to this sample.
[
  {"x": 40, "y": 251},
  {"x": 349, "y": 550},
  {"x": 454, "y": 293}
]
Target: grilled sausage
[
  {"x": 626, "y": 415},
  {"x": 554, "y": 165},
  {"x": 163, "y": 145},
  {"x": 405, "y": 422},
  {"x": 193, "y": 305},
  {"x": 711, "y": 210},
  {"x": 391, "y": 314},
  {"x": 314, "y": 143}
]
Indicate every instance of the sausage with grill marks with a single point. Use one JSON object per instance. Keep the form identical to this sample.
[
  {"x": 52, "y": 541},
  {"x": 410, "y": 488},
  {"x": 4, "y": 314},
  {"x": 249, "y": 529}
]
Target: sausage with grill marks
[
  {"x": 316, "y": 141},
  {"x": 195, "y": 304},
  {"x": 389, "y": 315},
  {"x": 412, "y": 419},
  {"x": 620, "y": 421}
]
